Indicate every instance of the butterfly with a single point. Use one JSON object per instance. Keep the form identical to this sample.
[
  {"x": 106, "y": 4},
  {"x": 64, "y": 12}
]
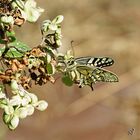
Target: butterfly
[{"x": 87, "y": 70}]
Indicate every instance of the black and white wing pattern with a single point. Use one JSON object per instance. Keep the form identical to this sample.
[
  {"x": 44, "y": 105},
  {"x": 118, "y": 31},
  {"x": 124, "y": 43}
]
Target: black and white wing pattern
[
  {"x": 97, "y": 74},
  {"x": 95, "y": 61},
  {"x": 91, "y": 75}
]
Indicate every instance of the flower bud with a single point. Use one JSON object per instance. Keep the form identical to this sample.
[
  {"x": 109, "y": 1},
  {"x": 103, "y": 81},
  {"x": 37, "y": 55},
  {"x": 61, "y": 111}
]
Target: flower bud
[
  {"x": 7, "y": 19},
  {"x": 33, "y": 98},
  {"x": 14, "y": 122},
  {"x": 30, "y": 110},
  {"x": 26, "y": 99},
  {"x": 2, "y": 95},
  {"x": 53, "y": 27},
  {"x": 14, "y": 85},
  {"x": 9, "y": 109},
  {"x": 58, "y": 19},
  {"x": 6, "y": 118},
  {"x": 15, "y": 101},
  {"x": 41, "y": 105},
  {"x": 49, "y": 58},
  {"x": 22, "y": 112},
  {"x": 58, "y": 42}
]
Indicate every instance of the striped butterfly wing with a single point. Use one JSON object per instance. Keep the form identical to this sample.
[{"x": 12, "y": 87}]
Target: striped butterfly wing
[
  {"x": 102, "y": 75},
  {"x": 91, "y": 75},
  {"x": 95, "y": 61},
  {"x": 97, "y": 74}
]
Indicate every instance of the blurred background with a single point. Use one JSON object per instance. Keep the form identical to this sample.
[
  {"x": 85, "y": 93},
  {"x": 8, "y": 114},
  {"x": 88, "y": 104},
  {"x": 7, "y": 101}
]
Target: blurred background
[{"x": 112, "y": 111}]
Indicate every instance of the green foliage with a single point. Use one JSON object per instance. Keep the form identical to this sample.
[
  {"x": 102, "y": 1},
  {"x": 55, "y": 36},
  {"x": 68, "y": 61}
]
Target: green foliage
[
  {"x": 67, "y": 80},
  {"x": 16, "y": 49},
  {"x": 49, "y": 68}
]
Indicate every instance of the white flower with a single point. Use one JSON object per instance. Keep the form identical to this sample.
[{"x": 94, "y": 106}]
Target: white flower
[
  {"x": 41, "y": 105},
  {"x": 22, "y": 112},
  {"x": 7, "y": 19},
  {"x": 26, "y": 99},
  {"x": 2, "y": 95},
  {"x": 30, "y": 110},
  {"x": 54, "y": 25},
  {"x": 16, "y": 100},
  {"x": 14, "y": 85},
  {"x": 58, "y": 19},
  {"x": 32, "y": 12},
  {"x": 33, "y": 98},
  {"x": 9, "y": 109},
  {"x": 28, "y": 9},
  {"x": 14, "y": 122}
]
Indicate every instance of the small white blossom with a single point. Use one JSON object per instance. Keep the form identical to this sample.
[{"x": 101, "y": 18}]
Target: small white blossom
[
  {"x": 54, "y": 25},
  {"x": 14, "y": 85},
  {"x": 49, "y": 58},
  {"x": 22, "y": 112},
  {"x": 14, "y": 122},
  {"x": 33, "y": 98},
  {"x": 30, "y": 110},
  {"x": 2, "y": 95},
  {"x": 9, "y": 109},
  {"x": 7, "y": 19},
  {"x": 32, "y": 12},
  {"x": 26, "y": 100},
  {"x": 21, "y": 105},
  {"x": 58, "y": 19},
  {"x": 16, "y": 100},
  {"x": 41, "y": 105}
]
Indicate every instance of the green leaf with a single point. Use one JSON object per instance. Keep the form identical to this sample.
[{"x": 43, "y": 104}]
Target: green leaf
[
  {"x": 20, "y": 46},
  {"x": 67, "y": 80},
  {"x": 2, "y": 41},
  {"x": 13, "y": 53},
  {"x": 16, "y": 49},
  {"x": 11, "y": 36},
  {"x": 2, "y": 50},
  {"x": 49, "y": 68}
]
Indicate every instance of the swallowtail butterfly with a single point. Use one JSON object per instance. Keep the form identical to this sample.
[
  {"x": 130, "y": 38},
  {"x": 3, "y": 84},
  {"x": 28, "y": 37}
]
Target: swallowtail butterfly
[{"x": 87, "y": 70}]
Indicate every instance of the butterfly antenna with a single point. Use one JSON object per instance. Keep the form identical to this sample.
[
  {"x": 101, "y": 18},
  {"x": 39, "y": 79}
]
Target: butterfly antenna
[{"x": 72, "y": 47}]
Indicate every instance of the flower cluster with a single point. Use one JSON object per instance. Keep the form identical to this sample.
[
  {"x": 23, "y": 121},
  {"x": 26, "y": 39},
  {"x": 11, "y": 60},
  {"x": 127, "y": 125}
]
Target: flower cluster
[
  {"x": 22, "y": 65},
  {"x": 21, "y": 105},
  {"x": 51, "y": 31},
  {"x": 16, "y": 12}
]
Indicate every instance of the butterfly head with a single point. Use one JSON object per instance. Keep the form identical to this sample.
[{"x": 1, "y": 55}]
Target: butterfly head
[{"x": 67, "y": 61}]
